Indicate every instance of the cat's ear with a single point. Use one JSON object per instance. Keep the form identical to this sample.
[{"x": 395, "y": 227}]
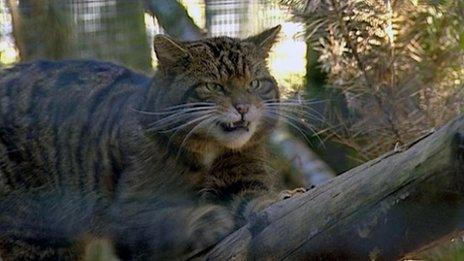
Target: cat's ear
[
  {"x": 169, "y": 51},
  {"x": 266, "y": 39}
]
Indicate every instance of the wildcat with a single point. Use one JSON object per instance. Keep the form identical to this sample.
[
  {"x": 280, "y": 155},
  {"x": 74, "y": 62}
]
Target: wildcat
[{"x": 163, "y": 167}]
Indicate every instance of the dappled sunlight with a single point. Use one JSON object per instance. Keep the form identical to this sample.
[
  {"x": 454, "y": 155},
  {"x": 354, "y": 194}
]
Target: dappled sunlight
[
  {"x": 287, "y": 61},
  {"x": 8, "y": 52},
  {"x": 196, "y": 10}
]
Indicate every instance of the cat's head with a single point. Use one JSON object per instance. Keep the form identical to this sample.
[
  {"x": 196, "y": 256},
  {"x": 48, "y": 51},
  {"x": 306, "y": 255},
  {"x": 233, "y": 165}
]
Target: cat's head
[{"x": 218, "y": 89}]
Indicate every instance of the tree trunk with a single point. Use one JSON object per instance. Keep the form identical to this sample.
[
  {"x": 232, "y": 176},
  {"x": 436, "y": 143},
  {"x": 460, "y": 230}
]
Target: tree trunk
[
  {"x": 382, "y": 210},
  {"x": 114, "y": 32},
  {"x": 58, "y": 29},
  {"x": 42, "y": 28}
]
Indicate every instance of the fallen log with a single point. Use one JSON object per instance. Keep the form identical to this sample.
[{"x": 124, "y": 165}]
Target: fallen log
[{"x": 384, "y": 209}]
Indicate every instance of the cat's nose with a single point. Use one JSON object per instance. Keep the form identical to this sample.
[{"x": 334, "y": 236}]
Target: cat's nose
[{"x": 242, "y": 108}]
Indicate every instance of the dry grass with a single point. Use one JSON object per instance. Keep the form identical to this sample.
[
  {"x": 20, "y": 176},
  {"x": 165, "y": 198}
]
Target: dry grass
[{"x": 399, "y": 64}]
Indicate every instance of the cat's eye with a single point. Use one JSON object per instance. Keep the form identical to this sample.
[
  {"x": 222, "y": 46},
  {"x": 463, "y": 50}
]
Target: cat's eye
[
  {"x": 213, "y": 87},
  {"x": 255, "y": 85},
  {"x": 262, "y": 87}
]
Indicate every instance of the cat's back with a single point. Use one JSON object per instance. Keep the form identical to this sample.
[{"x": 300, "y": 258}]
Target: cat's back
[
  {"x": 59, "y": 120},
  {"x": 33, "y": 82}
]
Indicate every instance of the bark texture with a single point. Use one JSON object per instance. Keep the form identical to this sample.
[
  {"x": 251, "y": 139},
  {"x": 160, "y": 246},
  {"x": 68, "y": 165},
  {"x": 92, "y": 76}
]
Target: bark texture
[{"x": 382, "y": 210}]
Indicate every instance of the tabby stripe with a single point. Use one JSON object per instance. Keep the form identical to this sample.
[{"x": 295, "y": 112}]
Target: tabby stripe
[
  {"x": 52, "y": 148},
  {"x": 69, "y": 141},
  {"x": 4, "y": 133},
  {"x": 244, "y": 66},
  {"x": 56, "y": 144},
  {"x": 195, "y": 45},
  {"x": 94, "y": 104},
  {"x": 13, "y": 152},
  {"x": 114, "y": 148},
  {"x": 53, "y": 110},
  {"x": 216, "y": 51},
  {"x": 108, "y": 126},
  {"x": 35, "y": 127},
  {"x": 101, "y": 156},
  {"x": 227, "y": 65},
  {"x": 26, "y": 107},
  {"x": 5, "y": 166},
  {"x": 98, "y": 159}
]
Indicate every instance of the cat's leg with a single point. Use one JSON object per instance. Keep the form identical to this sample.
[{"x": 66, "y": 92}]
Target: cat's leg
[
  {"x": 246, "y": 195},
  {"x": 243, "y": 201},
  {"x": 23, "y": 247},
  {"x": 209, "y": 224},
  {"x": 168, "y": 230},
  {"x": 43, "y": 226}
]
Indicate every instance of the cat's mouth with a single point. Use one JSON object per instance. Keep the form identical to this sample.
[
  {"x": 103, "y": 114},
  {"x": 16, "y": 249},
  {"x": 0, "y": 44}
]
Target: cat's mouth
[{"x": 235, "y": 126}]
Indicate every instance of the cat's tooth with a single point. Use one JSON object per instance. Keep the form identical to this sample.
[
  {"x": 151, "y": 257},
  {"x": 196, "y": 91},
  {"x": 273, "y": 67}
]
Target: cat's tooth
[{"x": 231, "y": 125}]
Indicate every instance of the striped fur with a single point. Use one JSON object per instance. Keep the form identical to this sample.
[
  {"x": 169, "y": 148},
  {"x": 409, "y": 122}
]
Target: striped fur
[{"x": 83, "y": 138}]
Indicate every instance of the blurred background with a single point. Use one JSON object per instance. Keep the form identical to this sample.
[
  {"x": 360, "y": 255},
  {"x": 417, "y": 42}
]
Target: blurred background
[{"x": 383, "y": 72}]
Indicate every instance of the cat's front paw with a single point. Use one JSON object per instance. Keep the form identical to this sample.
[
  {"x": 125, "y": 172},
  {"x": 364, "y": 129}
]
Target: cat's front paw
[
  {"x": 284, "y": 194},
  {"x": 209, "y": 225}
]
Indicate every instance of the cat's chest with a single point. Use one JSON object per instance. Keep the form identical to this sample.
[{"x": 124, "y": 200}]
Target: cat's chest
[{"x": 208, "y": 158}]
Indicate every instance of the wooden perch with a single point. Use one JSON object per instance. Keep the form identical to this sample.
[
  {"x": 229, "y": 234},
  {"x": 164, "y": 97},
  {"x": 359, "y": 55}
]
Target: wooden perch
[{"x": 382, "y": 210}]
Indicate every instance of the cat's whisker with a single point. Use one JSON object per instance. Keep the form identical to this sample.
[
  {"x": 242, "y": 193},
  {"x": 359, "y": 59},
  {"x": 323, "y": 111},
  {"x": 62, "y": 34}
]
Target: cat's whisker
[
  {"x": 299, "y": 107},
  {"x": 191, "y": 104},
  {"x": 178, "y": 117},
  {"x": 298, "y": 114},
  {"x": 307, "y": 101},
  {"x": 303, "y": 113},
  {"x": 215, "y": 120},
  {"x": 294, "y": 104},
  {"x": 292, "y": 121},
  {"x": 192, "y": 131},
  {"x": 291, "y": 124},
  {"x": 296, "y": 120},
  {"x": 180, "y": 127},
  {"x": 167, "y": 121},
  {"x": 176, "y": 110},
  {"x": 304, "y": 101}
]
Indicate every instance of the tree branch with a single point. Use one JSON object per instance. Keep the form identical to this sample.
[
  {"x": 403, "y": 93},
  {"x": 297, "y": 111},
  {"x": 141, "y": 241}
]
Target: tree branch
[
  {"x": 382, "y": 210},
  {"x": 173, "y": 17}
]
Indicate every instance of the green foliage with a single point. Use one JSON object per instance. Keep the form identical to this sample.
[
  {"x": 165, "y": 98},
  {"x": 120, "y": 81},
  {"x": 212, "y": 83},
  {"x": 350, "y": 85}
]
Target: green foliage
[{"x": 398, "y": 64}]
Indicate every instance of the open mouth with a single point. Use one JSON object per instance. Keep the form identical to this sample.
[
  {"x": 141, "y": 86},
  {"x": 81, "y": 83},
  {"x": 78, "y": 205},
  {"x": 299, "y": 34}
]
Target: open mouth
[{"x": 234, "y": 126}]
